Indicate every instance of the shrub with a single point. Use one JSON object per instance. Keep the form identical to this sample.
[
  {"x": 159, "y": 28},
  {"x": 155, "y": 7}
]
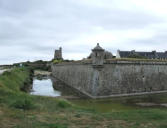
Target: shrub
[
  {"x": 63, "y": 104},
  {"x": 25, "y": 104},
  {"x": 57, "y": 61}
]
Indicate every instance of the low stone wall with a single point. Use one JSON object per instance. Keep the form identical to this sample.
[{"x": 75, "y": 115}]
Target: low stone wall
[{"x": 114, "y": 77}]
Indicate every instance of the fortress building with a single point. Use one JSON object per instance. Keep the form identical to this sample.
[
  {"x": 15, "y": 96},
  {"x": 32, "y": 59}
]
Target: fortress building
[
  {"x": 102, "y": 77},
  {"x": 58, "y": 54}
]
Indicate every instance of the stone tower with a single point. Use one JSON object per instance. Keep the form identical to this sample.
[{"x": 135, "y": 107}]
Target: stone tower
[
  {"x": 98, "y": 56},
  {"x": 58, "y": 54}
]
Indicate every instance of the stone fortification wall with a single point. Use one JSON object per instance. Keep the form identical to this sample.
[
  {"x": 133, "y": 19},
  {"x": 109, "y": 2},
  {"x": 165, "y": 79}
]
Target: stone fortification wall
[
  {"x": 114, "y": 78},
  {"x": 76, "y": 75},
  {"x": 123, "y": 77}
]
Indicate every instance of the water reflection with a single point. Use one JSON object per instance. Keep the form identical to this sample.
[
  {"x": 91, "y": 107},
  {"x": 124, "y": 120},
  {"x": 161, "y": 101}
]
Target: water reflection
[
  {"x": 44, "y": 88},
  {"x": 3, "y": 70}
]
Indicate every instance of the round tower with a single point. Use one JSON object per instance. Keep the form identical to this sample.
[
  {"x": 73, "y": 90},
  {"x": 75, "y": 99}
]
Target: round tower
[{"x": 98, "y": 55}]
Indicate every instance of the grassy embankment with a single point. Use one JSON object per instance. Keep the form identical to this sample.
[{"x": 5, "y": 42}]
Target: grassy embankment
[{"x": 20, "y": 110}]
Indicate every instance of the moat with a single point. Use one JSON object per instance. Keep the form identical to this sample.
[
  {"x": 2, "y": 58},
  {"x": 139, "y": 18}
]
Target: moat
[{"x": 44, "y": 87}]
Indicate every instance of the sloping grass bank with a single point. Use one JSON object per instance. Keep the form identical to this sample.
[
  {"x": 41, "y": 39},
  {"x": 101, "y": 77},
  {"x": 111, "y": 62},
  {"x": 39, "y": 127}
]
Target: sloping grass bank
[
  {"x": 21, "y": 110},
  {"x": 11, "y": 82}
]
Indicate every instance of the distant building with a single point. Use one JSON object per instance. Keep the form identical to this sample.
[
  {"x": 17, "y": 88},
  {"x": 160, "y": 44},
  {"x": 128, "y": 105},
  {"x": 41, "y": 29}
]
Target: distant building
[
  {"x": 58, "y": 54},
  {"x": 147, "y": 55},
  {"x": 106, "y": 54}
]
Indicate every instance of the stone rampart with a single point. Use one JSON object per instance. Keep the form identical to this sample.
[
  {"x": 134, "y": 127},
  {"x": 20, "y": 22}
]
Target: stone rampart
[
  {"x": 78, "y": 76},
  {"x": 114, "y": 77}
]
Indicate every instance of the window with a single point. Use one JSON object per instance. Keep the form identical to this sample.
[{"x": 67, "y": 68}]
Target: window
[{"x": 96, "y": 54}]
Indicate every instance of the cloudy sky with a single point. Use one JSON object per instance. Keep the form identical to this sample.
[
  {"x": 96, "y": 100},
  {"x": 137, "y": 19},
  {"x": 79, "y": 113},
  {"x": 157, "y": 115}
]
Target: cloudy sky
[{"x": 33, "y": 29}]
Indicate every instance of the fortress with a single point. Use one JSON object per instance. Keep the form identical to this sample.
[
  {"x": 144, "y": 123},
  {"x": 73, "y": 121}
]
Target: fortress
[{"x": 101, "y": 76}]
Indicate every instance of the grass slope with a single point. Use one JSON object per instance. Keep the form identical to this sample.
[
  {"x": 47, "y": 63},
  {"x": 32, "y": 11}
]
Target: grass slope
[{"x": 21, "y": 110}]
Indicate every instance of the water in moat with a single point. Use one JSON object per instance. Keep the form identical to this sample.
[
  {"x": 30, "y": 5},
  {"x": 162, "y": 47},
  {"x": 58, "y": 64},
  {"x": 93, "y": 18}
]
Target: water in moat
[
  {"x": 3, "y": 70},
  {"x": 44, "y": 87}
]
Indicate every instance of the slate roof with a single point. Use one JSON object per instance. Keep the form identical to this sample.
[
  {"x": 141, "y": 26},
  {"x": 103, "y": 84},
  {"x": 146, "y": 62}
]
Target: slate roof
[{"x": 149, "y": 55}]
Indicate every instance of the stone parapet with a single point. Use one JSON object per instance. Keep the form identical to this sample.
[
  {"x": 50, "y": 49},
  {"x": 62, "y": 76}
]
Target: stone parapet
[{"x": 140, "y": 62}]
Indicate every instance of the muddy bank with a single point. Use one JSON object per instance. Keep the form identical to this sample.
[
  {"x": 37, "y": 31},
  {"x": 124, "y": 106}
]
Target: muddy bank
[
  {"x": 27, "y": 85},
  {"x": 39, "y": 74}
]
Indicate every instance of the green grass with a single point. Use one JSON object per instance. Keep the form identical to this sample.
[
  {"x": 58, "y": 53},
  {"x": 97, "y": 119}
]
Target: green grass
[
  {"x": 13, "y": 80},
  {"x": 57, "y": 61},
  {"x": 21, "y": 110}
]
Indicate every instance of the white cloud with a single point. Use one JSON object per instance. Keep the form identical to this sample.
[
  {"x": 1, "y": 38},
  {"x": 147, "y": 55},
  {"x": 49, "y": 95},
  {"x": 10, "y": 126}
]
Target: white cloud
[{"x": 157, "y": 7}]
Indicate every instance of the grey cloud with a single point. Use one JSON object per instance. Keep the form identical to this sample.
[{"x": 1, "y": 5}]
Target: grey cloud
[
  {"x": 158, "y": 42},
  {"x": 33, "y": 24},
  {"x": 63, "y": 20}
]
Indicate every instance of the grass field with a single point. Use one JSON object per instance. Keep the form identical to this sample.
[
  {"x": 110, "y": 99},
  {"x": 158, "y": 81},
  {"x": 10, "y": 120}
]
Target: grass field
[{"x": 21, "y": 110}]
